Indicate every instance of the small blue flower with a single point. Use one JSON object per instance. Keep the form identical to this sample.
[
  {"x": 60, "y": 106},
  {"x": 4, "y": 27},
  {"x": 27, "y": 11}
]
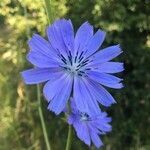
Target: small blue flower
[
  {"x": 89, "y": 127},
  {"x": 73, "y": 65}
]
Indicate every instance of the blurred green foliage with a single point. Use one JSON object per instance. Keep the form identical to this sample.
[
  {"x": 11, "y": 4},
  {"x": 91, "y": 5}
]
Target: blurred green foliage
[{"x": 126, "y": 21}]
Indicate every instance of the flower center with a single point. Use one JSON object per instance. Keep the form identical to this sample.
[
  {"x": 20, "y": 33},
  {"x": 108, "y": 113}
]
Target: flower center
[
  {"x": 75, "y": 65},
  {"x": 84, "y": 116}
]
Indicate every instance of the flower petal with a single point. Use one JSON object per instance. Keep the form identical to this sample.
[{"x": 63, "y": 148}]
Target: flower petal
[
  {"x": 103, "y": 126},
  {"x": 56, "y": 92},
  {"x": 60, "y": 35},
  {"x": 67, "y": 33},
  {"x": 106, "y": 54},
  {"x": 78, "y": 95},
  {"x": 50, "y": 87},
  {"x": 92, "y": 103},
  {"x": 83, "y": 35},
  {"x": 82, "y": 132},
  {"x": 102, "y": 96},
  {"x": 41, "y": 46},
  {"x": 73, "y": 106},
  {"x": 108, "y": 67},
  {"x": 83, "y": 98},
  {"x": 40, "y": 60},
  {"x": 101, "y": 123},
  {"x": 38, "y": 75},
  {"x": 95, "y": 139},
  {"x": 95, "y": 42},
  {"x": 105, "y": 79}
]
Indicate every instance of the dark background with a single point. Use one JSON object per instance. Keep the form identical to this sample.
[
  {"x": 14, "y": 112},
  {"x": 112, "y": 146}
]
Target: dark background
[{"x": 126, "y": 22}]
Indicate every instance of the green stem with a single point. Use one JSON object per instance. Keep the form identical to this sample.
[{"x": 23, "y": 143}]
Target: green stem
[
  {"x": 49, "y": 10},
  {"x": 42, "y": 118},
  {"x": 69, "y": 138}
]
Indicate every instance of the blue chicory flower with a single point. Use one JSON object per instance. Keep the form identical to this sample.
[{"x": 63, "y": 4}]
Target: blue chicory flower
[
  {"x": 73, "y": 64},
  {"x": 88, "y": 126}
]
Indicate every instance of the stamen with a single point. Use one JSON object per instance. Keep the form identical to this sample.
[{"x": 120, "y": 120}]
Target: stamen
[
  {"x": 64, "y": 61},
  {"x": 66, "y": 68},
  {"x": 81, "y": 54},
  {"x": 82, "y": 65},
  {"x": 79, "y": 65},
  {"x": 70, "y": 54},
  {"x": 80, "y": 59},
  {"x": 63, "y": 57},
  {"x": 81, "y": 71},
  {"x": 85, "y": 61},
  {"x": 88, "y": 69},
  {"x": 77, "y": 69},
  {"x": 80, "y": 74},
  {"x": 76, "y": 57},
  {"x": 70, "y": 57}
]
